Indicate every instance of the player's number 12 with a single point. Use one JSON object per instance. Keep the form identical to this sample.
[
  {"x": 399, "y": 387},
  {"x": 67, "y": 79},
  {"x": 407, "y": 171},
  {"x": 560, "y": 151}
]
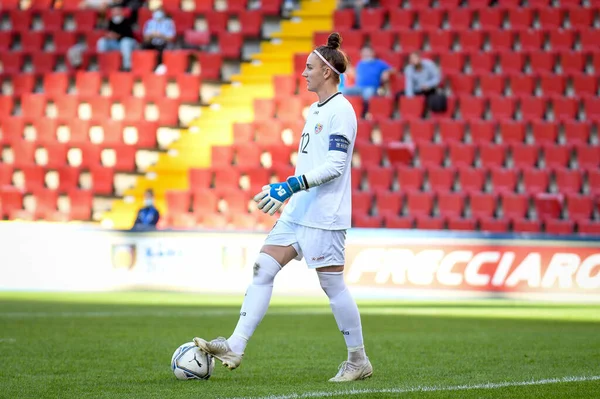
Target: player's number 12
[{"x": 303, "y": 143}]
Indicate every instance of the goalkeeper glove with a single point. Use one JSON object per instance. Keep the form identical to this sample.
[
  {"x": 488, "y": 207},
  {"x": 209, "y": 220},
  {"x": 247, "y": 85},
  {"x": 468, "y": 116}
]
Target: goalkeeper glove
[{"x": 274, "y": 195}]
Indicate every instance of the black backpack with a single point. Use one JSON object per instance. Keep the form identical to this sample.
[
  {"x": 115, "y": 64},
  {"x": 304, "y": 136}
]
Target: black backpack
[{"x": 437, "y": 102}]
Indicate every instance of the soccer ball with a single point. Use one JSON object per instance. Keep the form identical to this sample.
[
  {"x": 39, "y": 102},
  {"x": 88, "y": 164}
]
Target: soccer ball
[{"x": 190, "y": 363}]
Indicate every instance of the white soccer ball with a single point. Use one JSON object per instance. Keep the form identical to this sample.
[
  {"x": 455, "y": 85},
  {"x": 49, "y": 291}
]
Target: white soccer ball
[{"x": 190, "y": 363}]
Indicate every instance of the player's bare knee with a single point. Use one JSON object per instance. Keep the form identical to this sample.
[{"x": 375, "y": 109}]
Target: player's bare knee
[
  {"x": 265, "y": 269},
  {"x": 283, "y": 255},
  {"x": 332, "y": 282}
]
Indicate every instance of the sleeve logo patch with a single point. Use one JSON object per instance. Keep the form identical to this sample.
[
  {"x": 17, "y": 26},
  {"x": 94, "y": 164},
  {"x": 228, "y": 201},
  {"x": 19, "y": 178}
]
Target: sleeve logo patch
[{"x": 318, "y": 128}]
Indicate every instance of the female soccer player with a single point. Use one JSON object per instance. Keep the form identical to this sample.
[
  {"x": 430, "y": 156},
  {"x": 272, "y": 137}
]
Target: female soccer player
[{"x": 313, "y": 225}]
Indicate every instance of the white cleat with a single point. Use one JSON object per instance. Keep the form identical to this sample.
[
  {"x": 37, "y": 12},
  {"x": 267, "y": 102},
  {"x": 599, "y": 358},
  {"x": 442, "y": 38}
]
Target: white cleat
[
  {"x": 353, "y": 372},
  {"x": 219, "y": 348}
]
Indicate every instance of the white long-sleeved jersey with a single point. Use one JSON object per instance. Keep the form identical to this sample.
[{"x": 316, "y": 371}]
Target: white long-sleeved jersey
[{"x": 324, "y": 158}]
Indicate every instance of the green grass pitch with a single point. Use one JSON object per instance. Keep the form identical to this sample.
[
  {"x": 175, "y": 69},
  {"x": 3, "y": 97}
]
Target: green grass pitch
[{"x": 119, "y": 345}]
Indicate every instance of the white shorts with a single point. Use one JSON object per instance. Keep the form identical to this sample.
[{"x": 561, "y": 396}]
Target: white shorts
[{"x": 319, "y": 247}]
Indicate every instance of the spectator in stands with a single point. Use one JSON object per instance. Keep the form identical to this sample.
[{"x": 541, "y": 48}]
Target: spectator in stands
[
  {"x": 370, "y": 74},
  {"x": 119, "y": 36},
  {"x": 421, "y": 75},
  {"x": 148, "y": 216},
  {"x": 159, "y": 34},
  {"x": 99, "y": 5}
]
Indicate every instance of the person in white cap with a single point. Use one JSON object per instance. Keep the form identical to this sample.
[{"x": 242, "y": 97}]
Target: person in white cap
[{"x": 313, "y": 224}]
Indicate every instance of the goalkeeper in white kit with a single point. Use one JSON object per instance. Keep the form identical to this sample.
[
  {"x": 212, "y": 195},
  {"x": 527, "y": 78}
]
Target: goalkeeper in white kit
[{"x": 313, "y": 224}]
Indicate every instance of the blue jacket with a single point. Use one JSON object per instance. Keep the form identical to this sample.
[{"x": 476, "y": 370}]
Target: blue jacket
[
  {"x": 148, "y": 216},
  {"x": 429, "y": 76}
]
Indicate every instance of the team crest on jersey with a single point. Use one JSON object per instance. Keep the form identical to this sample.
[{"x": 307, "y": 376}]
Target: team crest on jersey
[{"x": 318, "y": 128}]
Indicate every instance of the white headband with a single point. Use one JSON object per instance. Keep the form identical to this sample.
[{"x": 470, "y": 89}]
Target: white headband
[{"x": 326, "y": 62}]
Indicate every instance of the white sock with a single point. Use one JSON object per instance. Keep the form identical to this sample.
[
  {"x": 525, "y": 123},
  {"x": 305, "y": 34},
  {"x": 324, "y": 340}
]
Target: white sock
[
  {"x": 256, "y": 301},
  {"x": 345, "y": 312}
]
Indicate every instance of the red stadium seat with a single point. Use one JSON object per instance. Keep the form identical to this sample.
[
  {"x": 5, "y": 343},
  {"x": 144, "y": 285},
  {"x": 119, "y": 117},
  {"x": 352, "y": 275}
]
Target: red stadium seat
[
  {"x": 361, "y": 202},
  {"x": 109, "y": 62},
  {"x": 491, "y": 155},
  {"x": 550, "y": 18},
  {"x": 535, "y": 181},
  {"x": 371, "y": 19},
  {"x": 380, "y": 178},
  {"x": 63, "y": 41},
  {"x": 482, "y": 205},
  {"x": 441, "y": 179},
  {"x": 178, "y": 201},
  {"x": 420, "y": 130},
  {"x": 514, "y": 205},
  {"x": 504, "y": 180},
  {"x": 398, "y": 222},
  {"x": 33, "y": 105},
  {"x": 381, "y": 40},
  {"x": 88, "y": 83},
  {"x": 470, "y": 41},
  {"x": 226, "y": 179},
  {"x": 579, "y": 207},
  {"x": 554, "y": 226},
  {"x": 490, "y": 18},
  {"x": 401, "y": 19},
  {"x": 521, "y": 85},
  {"x": 588, "y": 156},
  {"x": 81, "y": 202},
  {"x": 388, "y": 203},
  {"x": 471, "y": 107},
  {"x": 532, "y": 108},
  {"x": 370, "y": 154},
  {"x": 250, "y": 23},
  {"x": 557, "y": 155},
  {"x": 57, "y": 155},
  {"x": 548, "y": 205},
  {"x": 568, "y": 181},
  {"x": 23, "y": 83},
  {"x": 199, "y": 179},
  {"x": 543, "y": 62},
  {"x": 34, "y": 177},
  {"x": 143, "y": 61},
  {"x": 482, "y": 132},
  {"x": 56, "y": 84},
  {"x": 410, "y": 179},
  {"x": 343, "y": 19},
  {"x": 11, "y": 199},
  {"x": 102, "y": 181},
  {"x": 66, "y": 106},
  {"x": 68, "y": 179},
  {"x": 121, "y": 85},
  {"x": 503, "y": 107},
  {"x": 525, "y": 226},
  {"x": 493, "y": 225},
  {"x": 482, "y": 63},
  {"x": 440, "y": 41},
  {"x": 544, "y": 132},
  {"x": 419, "y": 203},
  {"x": 460, "y": 224},
  {"x": 520, "y": 18},
  {"x": 431, "y": 154},
  {"x": 411, "y": 40},
  {"x": 400, "y": 153},
  {"x": 502, "y": 40},
  {"x": 577, "y": 132},
  {"x": 429, "y": 223},
  {"x": 411, "y": 107},
  {"x": 524, "y": 155},
  {"x": 511, "y": 62},
  {"x": 450, "y": 204},
  {"x": 589, "y": 227},
  {"x": 470, "y": 180},
  {"x": 460, "y": 19},
  {"x": 222, "y": 156},
  {"x": 512, "y": 132}
]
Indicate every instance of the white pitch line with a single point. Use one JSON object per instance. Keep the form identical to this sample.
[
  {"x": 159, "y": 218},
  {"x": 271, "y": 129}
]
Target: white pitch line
[
  {"x": 275, "y": 312},
  {"x": 488, "y": 385},
  {"x": 7, "y": 340}
]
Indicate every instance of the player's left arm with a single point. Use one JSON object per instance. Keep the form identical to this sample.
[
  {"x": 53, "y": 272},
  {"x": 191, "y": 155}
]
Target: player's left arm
[{"x": 343, "y": 132}]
